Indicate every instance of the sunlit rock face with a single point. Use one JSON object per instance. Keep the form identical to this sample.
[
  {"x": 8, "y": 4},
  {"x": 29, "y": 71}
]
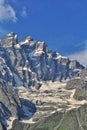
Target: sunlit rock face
[{"x": 28, "y": 61}]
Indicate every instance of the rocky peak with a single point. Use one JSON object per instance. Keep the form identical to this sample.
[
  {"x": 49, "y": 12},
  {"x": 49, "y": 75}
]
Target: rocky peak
[
  {"x": 12, "y": 35},
  {"x": 26, "y": 41},
  {"x": 9, "y": 40},
  {"x": 41, "y": 46},
  {"x": 74, "y": 64},
  {"x": 30, "y": 61}
]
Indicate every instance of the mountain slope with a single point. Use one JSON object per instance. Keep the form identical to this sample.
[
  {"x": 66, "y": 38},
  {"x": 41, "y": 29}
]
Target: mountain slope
[{"x": 75, "y": 119}]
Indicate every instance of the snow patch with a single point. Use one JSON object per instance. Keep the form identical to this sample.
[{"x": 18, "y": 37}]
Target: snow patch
[
  {"x": 9, "y": 122},
  {"x": 76, "y": 70},
  {"x": 24, "y": 42},
  {"x": 17, "y": 46},
  {"x": 26, "y": 68},
  {"x": 39, "y": 51},
  {"x": 16, "y": 36},
  {"x": 9, "y": 34}
]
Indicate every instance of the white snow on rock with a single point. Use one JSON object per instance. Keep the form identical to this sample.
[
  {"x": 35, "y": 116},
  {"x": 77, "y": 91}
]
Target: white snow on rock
[
  {"x": 9, "y": 122},
  {"x": 17, "y": 46},
  {"x": 24, "y": 42},
  {"x": 26, "y": 68}
]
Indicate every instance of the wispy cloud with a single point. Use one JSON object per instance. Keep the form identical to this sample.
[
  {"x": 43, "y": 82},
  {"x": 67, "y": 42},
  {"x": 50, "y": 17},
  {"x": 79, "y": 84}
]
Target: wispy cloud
[
  {"x": 24, "y": 12},
  {"x": 7, "y": 12},
  {"x": 80, "y": 56}
]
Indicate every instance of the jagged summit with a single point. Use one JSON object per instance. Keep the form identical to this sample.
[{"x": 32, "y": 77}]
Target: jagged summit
[
  {"x": 11, "y": 34},
  {"x": 31, "y": 61},
  {"x": 9, "y": 40}
]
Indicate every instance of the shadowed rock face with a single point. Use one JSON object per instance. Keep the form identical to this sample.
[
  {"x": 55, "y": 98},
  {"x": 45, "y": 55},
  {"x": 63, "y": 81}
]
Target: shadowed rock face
[
  {"x": 12, "y": 106},
  {"x": 28, "y": 61},
  {"x": 9, "y": 102}
]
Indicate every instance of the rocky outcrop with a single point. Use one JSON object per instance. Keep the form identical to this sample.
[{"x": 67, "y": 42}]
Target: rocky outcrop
[
  {"x": 79, "y": 82},
  {"x": 28, "y": 61}
]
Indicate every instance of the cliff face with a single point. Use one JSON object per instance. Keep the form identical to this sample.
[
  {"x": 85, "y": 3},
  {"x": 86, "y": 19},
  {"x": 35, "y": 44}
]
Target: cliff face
[
  {"x": 79, "y": 82},
  {"x": 9, "y": 103},
  {"x": 11, "y": 106},
  {"x": 28, "y": 61}
]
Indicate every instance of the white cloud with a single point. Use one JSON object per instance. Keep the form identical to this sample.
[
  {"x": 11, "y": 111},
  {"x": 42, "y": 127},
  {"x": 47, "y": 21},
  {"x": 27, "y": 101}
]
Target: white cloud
[
  {"x": 1, "y": 1},
  {"x": 24, "y": 12},
  {"x": 7, "y": 12},
  {"x": 80, "y": 56}
]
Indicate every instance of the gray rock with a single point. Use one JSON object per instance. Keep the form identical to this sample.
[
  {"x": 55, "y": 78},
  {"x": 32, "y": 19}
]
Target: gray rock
[{"x": 79, "y": 82}]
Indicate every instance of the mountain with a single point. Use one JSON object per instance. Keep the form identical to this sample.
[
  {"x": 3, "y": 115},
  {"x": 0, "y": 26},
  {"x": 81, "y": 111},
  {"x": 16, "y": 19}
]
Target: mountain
[
  {"x": 33, "y": 95},
  {"x": 29, "y": 62}
]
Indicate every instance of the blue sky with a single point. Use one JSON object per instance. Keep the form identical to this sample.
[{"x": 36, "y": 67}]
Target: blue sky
[{"x": 62, "y": 24}]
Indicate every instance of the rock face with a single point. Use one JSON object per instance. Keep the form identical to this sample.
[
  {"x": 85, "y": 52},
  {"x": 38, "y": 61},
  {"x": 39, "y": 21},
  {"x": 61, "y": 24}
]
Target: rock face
[
  {"x": 11, "y": 105},
  {"x": 28, "y": 61},
  {"x": 9, "y": 102},
  {"x": 79, "y": 82}
]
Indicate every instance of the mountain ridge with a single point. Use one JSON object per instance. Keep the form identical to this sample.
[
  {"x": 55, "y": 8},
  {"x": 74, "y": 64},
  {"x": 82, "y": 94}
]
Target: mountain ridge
[{"x": 30, "y": 61}]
